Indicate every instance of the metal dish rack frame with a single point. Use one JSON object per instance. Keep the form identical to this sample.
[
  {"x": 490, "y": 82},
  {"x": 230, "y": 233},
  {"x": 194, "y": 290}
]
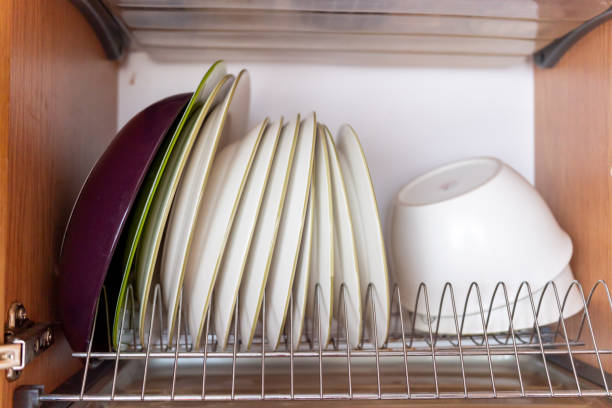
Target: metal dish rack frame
[{"x": 550, "y": 345}]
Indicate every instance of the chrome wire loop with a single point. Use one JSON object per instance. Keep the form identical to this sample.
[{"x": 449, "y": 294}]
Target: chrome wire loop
[{"x": 570, "y": 339}]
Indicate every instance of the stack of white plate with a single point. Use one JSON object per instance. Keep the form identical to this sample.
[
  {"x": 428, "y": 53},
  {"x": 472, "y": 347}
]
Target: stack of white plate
[{"x": 281, "y": 209}]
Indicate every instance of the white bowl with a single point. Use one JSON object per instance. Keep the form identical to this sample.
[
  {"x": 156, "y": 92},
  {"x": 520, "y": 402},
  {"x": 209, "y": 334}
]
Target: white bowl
[
  {"x": 496, "y": 320},
  {"x": 475, "y": 220}
]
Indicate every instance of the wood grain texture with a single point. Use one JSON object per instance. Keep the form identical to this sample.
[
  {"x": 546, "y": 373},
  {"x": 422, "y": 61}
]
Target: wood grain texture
[
  {"x": 573, "y": 154},
  {"x": 62, "y": 114},
  {"x": 5, "y": 86}
]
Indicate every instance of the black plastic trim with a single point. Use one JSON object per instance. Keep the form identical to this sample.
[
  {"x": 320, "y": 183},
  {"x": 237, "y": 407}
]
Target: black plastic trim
[
  {"x": 548, "y": 56},
  {"x": 28, "y": 396},
  {"x": 108, "y": 29},
  {"x": 98, "y": 370}
]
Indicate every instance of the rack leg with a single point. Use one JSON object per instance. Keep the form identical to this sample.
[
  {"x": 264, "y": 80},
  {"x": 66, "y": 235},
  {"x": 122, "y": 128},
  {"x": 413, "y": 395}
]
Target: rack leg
[{"x": 27, "y": 396}]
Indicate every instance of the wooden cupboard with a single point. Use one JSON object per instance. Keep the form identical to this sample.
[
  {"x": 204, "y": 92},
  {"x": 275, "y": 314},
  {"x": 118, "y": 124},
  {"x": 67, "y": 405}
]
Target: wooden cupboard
[{"x": 58, "y": 110}]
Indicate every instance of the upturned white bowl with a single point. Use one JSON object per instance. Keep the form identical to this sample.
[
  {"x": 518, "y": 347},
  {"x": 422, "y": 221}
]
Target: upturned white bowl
[
  {"x": 476, "y": 220},
  {"x": 496, "y": 319}
]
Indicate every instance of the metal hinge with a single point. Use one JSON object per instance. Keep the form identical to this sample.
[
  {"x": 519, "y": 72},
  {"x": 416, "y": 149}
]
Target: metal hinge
[{"x": 23, "y": 341}]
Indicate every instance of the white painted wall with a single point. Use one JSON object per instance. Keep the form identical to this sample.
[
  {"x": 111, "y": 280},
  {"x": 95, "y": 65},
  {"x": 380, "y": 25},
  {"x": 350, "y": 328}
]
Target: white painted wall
[{"x": 409, "y": 119}]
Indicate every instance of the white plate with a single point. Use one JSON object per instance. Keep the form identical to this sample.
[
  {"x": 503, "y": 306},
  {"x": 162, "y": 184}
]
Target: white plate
[
  {"x": 346, "y": 268},
  {"x": 322, "y": 261},
  {"x": 239, "y": 241},
  {"x": 147, "y": 254},
  {"x": 286, "y": 250},
  {"x": 262, "y": 246},
  {"x": 186, "y": 204},
  {"x": 213, "y": 225},
  {"x": 302, "y": 275},
  {"x": 368, "y": 234}
]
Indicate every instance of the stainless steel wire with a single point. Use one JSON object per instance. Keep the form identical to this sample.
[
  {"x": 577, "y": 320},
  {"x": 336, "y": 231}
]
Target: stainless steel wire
[{"x": 405, "y": 342}]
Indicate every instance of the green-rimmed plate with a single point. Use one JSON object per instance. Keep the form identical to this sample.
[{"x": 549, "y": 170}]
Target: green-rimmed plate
[
  {"x": 150, "y": 242},
  {"x": 321, "y": 301},
  {"x": 213, "y": 225},
  {"x": 302, "y": 276},
  {"x": 368, "y": 233},
  {"x": 264, "y": 239},
  {"x": 224, "y": 123},
  {"x": 288, "y": 240},
  {"x": 346, "y": 267},
  {"x": 239, "y": 241},
  {"x": 146, "y": 194}
]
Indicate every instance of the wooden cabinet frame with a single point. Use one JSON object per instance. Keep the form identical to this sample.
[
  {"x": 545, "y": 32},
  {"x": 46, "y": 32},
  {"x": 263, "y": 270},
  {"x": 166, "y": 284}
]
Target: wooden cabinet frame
[{"x": 58, "y": 111}]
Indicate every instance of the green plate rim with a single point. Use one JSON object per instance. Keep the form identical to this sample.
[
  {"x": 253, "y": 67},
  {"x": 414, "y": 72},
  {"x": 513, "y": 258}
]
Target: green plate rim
[{"x": 150, "y": 193}]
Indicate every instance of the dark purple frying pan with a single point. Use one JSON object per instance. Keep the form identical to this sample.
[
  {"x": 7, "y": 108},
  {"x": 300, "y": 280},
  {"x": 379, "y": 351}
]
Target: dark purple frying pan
[{"x": 100, "y": 213}]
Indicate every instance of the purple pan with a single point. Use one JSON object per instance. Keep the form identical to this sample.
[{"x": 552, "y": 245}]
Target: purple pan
[{"x": 100, "y": 213}]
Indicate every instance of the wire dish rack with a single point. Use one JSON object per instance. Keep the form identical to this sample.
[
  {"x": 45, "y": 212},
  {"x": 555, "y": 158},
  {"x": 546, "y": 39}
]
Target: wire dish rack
[{"x": 412, "y": 364}]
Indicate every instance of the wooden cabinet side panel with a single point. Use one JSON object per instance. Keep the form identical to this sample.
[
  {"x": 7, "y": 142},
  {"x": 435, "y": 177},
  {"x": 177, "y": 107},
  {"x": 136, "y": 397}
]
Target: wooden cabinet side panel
[
  {"x": 5, "y": 85},
  {"x": 572, "y": 162},
  {"x": 63, "y": 107}
]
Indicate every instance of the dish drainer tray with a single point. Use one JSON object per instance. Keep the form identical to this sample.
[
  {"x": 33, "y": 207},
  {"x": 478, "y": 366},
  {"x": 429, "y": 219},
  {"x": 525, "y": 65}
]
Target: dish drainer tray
[{"x": 411, "y": 365}]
